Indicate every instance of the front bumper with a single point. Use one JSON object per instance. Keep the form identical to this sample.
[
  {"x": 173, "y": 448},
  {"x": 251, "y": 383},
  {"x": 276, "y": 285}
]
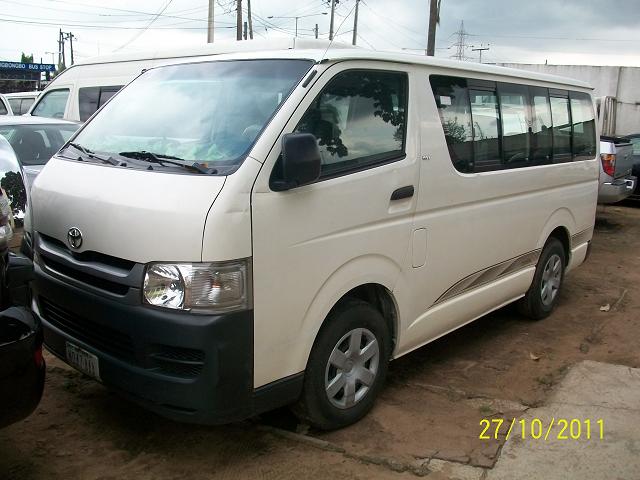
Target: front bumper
[
  {"x": 616, "y": 190},
  {"x": 193, "y": 368}
]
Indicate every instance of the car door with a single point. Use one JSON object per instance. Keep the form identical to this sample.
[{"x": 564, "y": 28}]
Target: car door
[{"x": 314, "y": 243}]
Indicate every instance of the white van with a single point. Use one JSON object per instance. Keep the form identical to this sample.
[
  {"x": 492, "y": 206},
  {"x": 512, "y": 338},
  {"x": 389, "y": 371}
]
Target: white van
[
  {"x": 21, "y": 101},
  {"x": 230, "y": 234},
  {"x": 80, "y": 90}
]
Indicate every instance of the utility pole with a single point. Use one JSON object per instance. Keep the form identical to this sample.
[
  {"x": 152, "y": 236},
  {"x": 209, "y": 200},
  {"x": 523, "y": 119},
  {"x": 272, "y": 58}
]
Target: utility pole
[
  {"x": 70, "y": 37},
  {"x": 250, "y": 20},
  {"x": 434, "y": 19},
  {"x": 239, "y": 20},
  {"x": 210, "y": 27},
  {"x": 355, "y": 24},
  {"x": 480, "y": 49},
  {"x": 316, "y": 31},
  {"x": 244, "y": 31},
  {"x": 60, "y": 50},
  {"x": 333, "y": 10}
]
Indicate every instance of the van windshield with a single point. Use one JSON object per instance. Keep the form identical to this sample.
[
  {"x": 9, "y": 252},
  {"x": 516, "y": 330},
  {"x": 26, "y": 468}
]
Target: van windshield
[{"x": 207, "y": 113}]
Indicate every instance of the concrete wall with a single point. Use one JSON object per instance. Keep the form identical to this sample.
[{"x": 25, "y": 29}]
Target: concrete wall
[{"x": 620, "y": 82}]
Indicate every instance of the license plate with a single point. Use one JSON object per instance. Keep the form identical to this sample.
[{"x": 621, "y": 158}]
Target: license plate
[{"x": 82, "y": 360}]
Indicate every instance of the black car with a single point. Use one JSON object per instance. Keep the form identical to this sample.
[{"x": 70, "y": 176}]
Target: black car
[{"x": 22, "y": 367}]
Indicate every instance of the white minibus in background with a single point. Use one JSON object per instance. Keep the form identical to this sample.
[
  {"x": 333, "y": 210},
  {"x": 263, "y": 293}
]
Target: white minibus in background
[
  {"x": 238, "y": 232},
  {"x": 21, "y": 101}
]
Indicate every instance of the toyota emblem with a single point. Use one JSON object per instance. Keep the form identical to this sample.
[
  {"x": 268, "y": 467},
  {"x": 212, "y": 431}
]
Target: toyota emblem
[{"x": 74, "y": 237}]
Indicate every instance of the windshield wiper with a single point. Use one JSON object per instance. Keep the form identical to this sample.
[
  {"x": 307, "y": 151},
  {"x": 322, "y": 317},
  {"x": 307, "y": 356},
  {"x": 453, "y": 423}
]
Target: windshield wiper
[
  {"x": 162, "y": 159},
  {"x": 110, "y": 160}
]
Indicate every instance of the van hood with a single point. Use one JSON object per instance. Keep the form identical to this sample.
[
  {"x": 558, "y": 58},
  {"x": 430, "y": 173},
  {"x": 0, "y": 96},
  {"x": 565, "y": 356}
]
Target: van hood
[{"x": 137, "y": 215}]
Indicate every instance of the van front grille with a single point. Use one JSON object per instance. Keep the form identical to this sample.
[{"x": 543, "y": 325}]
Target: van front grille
[{"x": 103, "y": 338}]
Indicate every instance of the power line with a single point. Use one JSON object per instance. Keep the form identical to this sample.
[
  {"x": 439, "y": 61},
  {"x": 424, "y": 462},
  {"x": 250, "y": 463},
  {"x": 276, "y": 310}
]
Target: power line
[{"x": 106, "y": 27}]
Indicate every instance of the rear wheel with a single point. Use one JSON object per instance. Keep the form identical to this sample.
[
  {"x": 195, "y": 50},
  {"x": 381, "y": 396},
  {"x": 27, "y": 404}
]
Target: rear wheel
[
  {"x": 347, "y": 366},
  {"x": 543, "y": 293}
]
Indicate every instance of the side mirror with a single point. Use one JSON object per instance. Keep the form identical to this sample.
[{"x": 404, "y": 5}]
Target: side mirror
[{"x": 300, "y": 161}]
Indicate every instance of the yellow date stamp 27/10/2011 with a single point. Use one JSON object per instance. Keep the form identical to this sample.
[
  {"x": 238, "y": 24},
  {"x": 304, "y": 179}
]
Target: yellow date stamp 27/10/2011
[{"x": 538, "y": 429}]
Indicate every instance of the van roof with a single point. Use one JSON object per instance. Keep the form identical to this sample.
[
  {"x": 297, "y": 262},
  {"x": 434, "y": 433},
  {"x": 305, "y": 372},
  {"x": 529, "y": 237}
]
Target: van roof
[{"x": 322, "y": 50}]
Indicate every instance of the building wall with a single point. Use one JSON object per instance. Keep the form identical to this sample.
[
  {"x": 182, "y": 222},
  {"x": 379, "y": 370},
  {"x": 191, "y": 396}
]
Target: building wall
[{"x": 620, "y": 82}]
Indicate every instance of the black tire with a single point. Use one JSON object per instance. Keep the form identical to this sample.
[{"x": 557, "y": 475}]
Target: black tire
[
  {"x": 315, "y": 406},
  {"x": 532, "y": 305}
]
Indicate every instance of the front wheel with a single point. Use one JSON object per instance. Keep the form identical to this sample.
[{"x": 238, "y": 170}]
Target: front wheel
[
  {"x": 543, "y": 293},
  {"x": 347, "y": 366}
]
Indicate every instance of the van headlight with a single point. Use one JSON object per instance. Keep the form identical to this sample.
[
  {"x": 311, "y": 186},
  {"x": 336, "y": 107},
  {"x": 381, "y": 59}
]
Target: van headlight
[{"x": 198, "y": 287}]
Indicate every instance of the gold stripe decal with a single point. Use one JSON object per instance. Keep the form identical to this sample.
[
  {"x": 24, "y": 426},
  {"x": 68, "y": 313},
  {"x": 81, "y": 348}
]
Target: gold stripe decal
[{"x": 490, "y": 274}]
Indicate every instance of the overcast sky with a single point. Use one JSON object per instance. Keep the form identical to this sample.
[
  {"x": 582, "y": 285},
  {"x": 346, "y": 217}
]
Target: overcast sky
[{"x": 594, "y": 32}]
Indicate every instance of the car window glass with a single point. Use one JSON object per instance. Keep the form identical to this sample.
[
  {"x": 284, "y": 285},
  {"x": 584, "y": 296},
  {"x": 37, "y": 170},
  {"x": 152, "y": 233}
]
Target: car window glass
[
  {"x": 561, "y": 129},
  {"x": 541, "y": 139},
  {"x": 53, "y": 104},
  {"x": 106, "y": 94},
  {"x": 88, "y": 98},
  {"x": 358, "y": 119},
  {"x": 15, "y": 105},
  {"x": 452, "y": 100},
  {"x": 515, "y": 124},
  {"x": 25, "y": 105},
  {"x": 484, "y": 113},
  {"x": 3, "y": 109},
  {"x": 584, "y": 126}
]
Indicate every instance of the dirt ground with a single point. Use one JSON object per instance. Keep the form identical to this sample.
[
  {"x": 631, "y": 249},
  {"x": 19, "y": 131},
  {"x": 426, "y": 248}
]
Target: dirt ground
[{"x": 498, "y": 366}]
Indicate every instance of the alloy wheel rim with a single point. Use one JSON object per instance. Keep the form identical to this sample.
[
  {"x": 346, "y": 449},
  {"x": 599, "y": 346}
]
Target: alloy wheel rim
[
  {"x": 352, "y": 368},
  {"x": 551, "y": 278}
]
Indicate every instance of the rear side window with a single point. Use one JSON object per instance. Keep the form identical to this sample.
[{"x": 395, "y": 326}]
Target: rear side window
[
  {"x": 53, "y": 104},
  {"x": 486, "y": 129},
  {"x": 90, "y": 99},
  {"x": 561, "y": 129},
  {"x": 541, "y": 137},
  {"x": 15, "y": 105},
  {"x": 3, "y": 109},
  {"x": 452, "y": 99},
  {"x": 516, "y": 142},
  {"x": 584, "y": 126},
  {"x": 359, "y": 119},
  {"x": 494, "y": 125},
  {"x": 26, "y": 104}
]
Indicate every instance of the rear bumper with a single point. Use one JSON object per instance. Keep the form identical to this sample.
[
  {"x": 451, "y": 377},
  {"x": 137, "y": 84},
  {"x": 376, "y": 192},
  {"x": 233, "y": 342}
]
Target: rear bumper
[
  {"x": 190, "y": 368},
  {"x": 616, "y": 190}
]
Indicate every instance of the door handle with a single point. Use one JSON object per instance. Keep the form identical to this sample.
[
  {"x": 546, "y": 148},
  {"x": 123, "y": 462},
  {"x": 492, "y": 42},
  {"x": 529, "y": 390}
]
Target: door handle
[{"x": 402, "y": 192}]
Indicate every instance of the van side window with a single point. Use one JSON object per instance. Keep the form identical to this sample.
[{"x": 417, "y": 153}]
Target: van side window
[
  {"x": 541, "y": 139},
  {"x": 90, "y": 99},
  {"x": 452, "y": 100},
  {"x": 485, "y": 116},
  {"x": 561, "y": 128},
  {"x": 514, "y": 110},
  {"x": 359, "y": 119},
  {"x": 26, "y": 105},
  {"x": 53, "y": 104},
  {"x": 584, "y": 126}
]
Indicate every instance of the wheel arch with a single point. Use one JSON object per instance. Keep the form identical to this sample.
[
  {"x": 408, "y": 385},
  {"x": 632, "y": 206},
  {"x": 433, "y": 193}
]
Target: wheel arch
[
  {"x": 370, "y": 278},
  {"x": 561, "y": 224}
]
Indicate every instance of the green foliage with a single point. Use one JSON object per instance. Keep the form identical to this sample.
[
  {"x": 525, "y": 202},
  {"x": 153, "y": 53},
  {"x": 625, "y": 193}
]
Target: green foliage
[{"x": 26, "y": 58}]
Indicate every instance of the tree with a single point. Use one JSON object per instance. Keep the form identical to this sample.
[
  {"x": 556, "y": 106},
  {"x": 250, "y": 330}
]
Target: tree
[
  {"x": 26, "y": 58},
  {"x": 14, "y": 186}
]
